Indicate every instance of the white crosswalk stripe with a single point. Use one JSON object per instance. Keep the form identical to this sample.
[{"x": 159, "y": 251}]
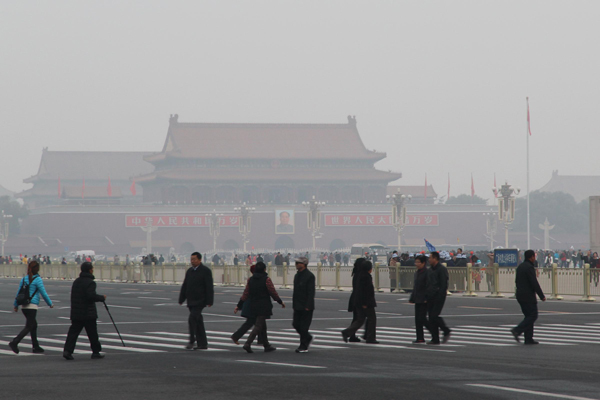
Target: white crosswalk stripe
[{"x": 325, "y": 339}]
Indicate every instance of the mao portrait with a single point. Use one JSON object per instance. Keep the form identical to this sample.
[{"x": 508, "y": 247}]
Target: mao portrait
[{"x": 284, "y": 221}]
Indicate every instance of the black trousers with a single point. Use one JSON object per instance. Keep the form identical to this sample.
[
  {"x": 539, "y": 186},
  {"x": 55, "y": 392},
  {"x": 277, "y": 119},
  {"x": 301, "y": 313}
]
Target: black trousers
[
  {"x": 421, "y": 320},
  {"x": 301, "y": 323},
  {"x": 92, "y": 332},
  {"x": 196, "y": 327},
  {"x": 30, "y": 327},
  {"x": 530, "y": 311},
  {"x": 436, "y": 323},
  {"x": 363, "y": 314},
  {"x": 260, "y": 328},
  {"x": 237, "y": 335}
]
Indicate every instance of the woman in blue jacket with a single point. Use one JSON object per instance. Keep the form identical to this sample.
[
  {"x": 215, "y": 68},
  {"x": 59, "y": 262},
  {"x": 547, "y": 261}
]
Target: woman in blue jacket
[{"x": 30, "y": 310}]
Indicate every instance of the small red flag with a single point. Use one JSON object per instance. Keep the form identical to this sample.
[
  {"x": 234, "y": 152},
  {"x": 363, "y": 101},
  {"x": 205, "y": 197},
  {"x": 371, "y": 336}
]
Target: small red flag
[
  {"x": 109, "y": 188},
  {"x": 59, "y": 191},
  {"x": 472, "y": 187},
  {"x": 425, "y": 186},
  {"x": 132, "y": 188},
  {"x": 528, "y": 118},
  {"x": 83, "y": 189}
]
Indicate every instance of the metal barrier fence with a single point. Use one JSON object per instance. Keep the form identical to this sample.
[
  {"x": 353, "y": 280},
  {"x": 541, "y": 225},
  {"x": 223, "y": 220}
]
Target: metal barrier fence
[{"x": 468, "y": 281}]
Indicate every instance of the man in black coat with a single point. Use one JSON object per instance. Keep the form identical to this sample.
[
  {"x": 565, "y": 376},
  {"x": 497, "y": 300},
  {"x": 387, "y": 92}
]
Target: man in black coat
[
  {"x": 364, "y": 304},
  {"x": 437, "y": 288},
  {"x": 418, "y": 297},
  {"x": 303, "y": 303},
  {"x": 527, "y": 287},
  {"x": 84, "y": 313},
  {"x": 198, "y": 290}
]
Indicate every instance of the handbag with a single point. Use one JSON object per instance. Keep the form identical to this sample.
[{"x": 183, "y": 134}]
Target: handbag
[
  {"x": 246, "y": 310},
  {"x": 23, "y": 297}
]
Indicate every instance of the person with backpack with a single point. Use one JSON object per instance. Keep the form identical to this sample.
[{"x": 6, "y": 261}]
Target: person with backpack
[{"x": 28, "y": 297}]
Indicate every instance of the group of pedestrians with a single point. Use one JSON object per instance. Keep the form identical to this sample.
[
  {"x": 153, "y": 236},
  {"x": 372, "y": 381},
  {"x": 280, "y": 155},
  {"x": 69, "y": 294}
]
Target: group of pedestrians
[
  {"x": 255, "y": 303},
  {"x": 428, "y": 296},
  {"x": 83, "y": 309}
]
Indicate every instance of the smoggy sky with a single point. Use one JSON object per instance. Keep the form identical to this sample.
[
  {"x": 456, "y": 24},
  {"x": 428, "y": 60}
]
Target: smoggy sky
[{"x": 438, "y": 85}]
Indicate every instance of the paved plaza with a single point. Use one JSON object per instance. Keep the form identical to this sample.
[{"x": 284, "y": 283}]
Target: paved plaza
[{"x": 481, "y": 360}]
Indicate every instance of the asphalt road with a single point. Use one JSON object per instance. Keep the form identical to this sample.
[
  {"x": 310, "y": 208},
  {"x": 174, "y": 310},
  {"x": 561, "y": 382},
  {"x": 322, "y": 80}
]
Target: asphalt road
[{"x": 481, "y": 361}]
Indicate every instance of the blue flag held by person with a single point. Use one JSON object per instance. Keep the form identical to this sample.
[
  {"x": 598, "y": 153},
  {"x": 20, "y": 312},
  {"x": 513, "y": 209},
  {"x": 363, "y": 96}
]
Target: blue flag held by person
[{"x": 430, "y": 247}]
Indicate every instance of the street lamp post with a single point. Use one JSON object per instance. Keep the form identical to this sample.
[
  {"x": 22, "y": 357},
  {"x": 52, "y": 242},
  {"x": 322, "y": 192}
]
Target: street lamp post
[
  {"x": 4, "y": 230},
  {"x": 148, "y": 229},
  {"x": 244, "y": 222},
  {"x": 506, "y": 207},
  {"x": 214, "y": 223},
  {"x": 314, "y": 218},
  {"x": 491, "y": 227},
  {"x": 399, "y": 202}
]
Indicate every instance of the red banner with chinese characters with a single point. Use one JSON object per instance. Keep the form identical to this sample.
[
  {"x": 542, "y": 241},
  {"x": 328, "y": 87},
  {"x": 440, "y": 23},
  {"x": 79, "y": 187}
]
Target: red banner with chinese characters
[
  {"x": 379, "y": 220},
  {"x": 179, "y": 221}
]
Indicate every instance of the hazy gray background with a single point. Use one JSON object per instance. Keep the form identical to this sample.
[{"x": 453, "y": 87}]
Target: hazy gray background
[{"x": 439, "y": 85}]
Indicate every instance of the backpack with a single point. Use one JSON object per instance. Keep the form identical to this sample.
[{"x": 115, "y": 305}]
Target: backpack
[{"x": 23, "y": 297}]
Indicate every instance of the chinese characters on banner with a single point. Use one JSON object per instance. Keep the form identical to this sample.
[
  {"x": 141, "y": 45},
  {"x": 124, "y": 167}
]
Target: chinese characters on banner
[
  {"x": 178, "y": 221},
  {"x": 379, "y": 220}
]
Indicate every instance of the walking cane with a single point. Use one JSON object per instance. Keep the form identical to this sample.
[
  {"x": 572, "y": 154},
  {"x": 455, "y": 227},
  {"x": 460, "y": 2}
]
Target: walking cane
[{"x": 113, "y": 321}]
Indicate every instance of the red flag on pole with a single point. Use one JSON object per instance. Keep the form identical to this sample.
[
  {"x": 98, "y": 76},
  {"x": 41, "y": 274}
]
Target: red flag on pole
[
  {"x": 83, "y": 189},
  {"x": 132, "y": 188},
  {"x": 472, "y": 187},
  {"x": 448, "y": 186},
  {"x": 59, "y": 191},
  {"x": 109, "y": 188},
  {"x": 425, "y": 187},
  {"x": 495, "y": 187}
]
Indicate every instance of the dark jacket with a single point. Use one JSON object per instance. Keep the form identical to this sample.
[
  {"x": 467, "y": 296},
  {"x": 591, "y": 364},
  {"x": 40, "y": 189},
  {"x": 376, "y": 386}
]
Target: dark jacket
[
  {"x": 365, "y": 291},
  {"x": 197, "y": 288},
  {"x": 259, "y": 291},
  {"x": 351, "y": 307},
  {"x": 527, "y": 283},
  {"x": 304, "y": 291},
  {"x": 84, "y": 298},
  {"x": 419, "y": 293},
  {"x": 437, "y": 283}
]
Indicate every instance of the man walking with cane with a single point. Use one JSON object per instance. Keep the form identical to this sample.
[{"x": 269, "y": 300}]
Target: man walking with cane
[
  {"x": 527, "y": 287},
  {"x": 303, "y": 303},
  {"x": 198, "y": 290},
  {"x": 84, "y": 313}
]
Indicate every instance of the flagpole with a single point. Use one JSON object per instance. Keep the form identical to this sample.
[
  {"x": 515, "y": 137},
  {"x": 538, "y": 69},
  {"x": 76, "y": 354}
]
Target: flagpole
[{"x": 528, "y": 133}]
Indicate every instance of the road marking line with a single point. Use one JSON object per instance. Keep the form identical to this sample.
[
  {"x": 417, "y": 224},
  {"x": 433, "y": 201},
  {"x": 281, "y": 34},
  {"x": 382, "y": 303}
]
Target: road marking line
[
  {"x": 481, "y": 308},
  {"x": 10, "y": 353},
  {"x": 535, "y": 392},
  {"x": 283, "y": 364},
  {"x": 135, "y": 308},
  {"x": 8, "y": 312},
  {"x": 81, "y": 341},
  {"x": 136, "y": 292},
  {"x": 230, "y": 302},
  {"x": 155, "y": 298},
  {"x": 221, "y": 315}
]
